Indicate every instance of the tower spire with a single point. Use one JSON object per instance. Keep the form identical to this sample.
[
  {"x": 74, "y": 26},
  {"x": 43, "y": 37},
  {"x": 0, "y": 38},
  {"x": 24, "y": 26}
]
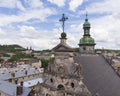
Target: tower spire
[
  {"x": 86, "y": 14},
  {"x": 86, "y": 19},
  {"x": 63, "y": 19}
]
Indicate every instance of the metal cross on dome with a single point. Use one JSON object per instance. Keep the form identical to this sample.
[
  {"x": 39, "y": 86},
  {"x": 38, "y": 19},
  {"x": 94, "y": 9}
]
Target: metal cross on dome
[{"x": 63, "y": 19}]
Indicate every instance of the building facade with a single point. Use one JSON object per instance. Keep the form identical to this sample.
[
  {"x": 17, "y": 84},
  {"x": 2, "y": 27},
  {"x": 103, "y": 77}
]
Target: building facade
[{"x": 64, "y": 74}]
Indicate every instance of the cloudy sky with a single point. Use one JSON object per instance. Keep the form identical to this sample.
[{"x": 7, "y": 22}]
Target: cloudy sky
[{"x": 36, "y": 22}]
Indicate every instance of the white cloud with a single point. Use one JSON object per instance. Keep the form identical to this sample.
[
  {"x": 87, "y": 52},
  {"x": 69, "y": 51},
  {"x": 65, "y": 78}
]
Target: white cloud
[
  {"x": 105, "y": 31},
  {"x": 20, "y": 6},
  {"x": 29, "y": 36},
  {"x": 40, "y": 14},
  {"x": 28, "y": 31},
  {"x": 59, "y": 3},
  {"x": 5, "y": 3},
  {"x": 74, "y": 4},
  {"x": 39, "y": 39},
  {"x": 12, "y": 4},
  {"x": 34, "y": 3},
  {"x": 106, "y": 6},
  {"x": 2, "y": 32}
]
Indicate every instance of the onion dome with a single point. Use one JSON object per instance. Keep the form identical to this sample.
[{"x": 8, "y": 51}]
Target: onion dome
[
  {"x": 86, "y": 23},
  {"x": 87, "y": 40}
]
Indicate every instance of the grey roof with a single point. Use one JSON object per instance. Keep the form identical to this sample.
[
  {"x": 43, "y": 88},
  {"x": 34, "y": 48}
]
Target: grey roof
[
  {"x": 30, "y": 71},
  {"x": 99, "y": 76},
  {"x": 10, "y": 89},
  {"x": 62, "y": 48},
  {"x": 33, "y": 82},
  {"x": 116, "y": 60}
]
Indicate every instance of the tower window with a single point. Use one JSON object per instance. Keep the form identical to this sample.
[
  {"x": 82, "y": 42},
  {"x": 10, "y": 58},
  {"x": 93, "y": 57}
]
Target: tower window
[
  {"x": 48, "y": 94},
  {"x": 84, "y": 48},
  {"x": 51, "y": 80},
  {"x": 72, "y": 85},
  {"x": 61, "y": 87}
]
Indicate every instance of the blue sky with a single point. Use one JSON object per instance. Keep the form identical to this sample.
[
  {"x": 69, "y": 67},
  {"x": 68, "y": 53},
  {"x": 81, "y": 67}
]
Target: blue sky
[{"x": 36, "y": 22}]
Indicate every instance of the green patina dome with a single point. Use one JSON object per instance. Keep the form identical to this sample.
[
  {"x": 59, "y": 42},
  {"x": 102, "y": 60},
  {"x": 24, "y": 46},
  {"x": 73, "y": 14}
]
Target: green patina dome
[
  {"x": 86, "y": 23},
  {"x": 63, "y": 35},
  {"x": 87, "y": 40}
]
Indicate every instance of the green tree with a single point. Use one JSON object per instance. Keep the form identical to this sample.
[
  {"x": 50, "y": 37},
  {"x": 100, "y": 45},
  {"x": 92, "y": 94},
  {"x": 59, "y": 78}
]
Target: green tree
[
  {"x": 1, "y": 60},
  {"x": 45, "y": 62},
  {"x": 18, "y": 56}
]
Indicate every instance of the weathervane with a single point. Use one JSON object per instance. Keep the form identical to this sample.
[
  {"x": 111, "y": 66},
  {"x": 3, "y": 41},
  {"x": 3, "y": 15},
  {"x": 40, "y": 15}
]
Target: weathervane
[{"x": 63, "y": 19}]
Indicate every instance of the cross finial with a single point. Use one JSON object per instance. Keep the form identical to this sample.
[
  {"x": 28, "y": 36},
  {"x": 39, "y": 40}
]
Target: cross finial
[{"x": 63, "y": 19}]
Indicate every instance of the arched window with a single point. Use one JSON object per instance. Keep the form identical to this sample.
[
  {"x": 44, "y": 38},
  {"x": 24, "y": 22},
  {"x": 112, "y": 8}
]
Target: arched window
[
  {"x": 48, "y": 94},
  {"x": 51, "y": 80},
  {"x": 84, "y": 48},
  {"x": 72, "y": 85}
]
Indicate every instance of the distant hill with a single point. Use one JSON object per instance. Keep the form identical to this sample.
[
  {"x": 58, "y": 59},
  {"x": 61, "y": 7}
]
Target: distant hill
[{"x": 10, "y": 48}]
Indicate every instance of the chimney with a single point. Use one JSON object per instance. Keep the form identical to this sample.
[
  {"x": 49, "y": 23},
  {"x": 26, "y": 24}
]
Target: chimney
[
  {"x": 13, "y": 74},
  {"x": 16, "y": 81},
  {"x": 26, "y": 72},
  {"x": 21, "y": 83},
  {"x": 19, "y": 90}
]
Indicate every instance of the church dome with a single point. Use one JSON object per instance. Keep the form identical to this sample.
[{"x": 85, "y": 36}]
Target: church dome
[
  {"x": 63, "y": 35},
  {"x": 87, "y": 40},
  {"x": 86, "y": 23}
]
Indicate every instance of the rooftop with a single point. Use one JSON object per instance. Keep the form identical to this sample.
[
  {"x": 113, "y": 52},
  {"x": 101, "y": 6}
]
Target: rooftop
[
  {"x": 99, "y": 76},
  {"x": 21, "y": 73},
  {"x": 33, "y": 82},
  {"x": 9, "y": 89}
]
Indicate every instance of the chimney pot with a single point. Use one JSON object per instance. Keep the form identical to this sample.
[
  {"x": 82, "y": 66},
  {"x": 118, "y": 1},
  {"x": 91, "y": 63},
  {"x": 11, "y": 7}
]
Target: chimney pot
[
  {"x": 21, "y": 83},
  {"x": 19, "y": 90},
  {"x": 26, "y": 72},
  {"x": 13, "y": 74}
]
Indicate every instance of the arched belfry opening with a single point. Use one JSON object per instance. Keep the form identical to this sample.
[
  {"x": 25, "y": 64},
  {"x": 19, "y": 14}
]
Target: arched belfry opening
[{"x": 61, "y": 87}]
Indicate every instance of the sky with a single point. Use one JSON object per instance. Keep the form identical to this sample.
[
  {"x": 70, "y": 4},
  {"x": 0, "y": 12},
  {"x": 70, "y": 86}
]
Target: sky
[{"x": 36, "y": 23}]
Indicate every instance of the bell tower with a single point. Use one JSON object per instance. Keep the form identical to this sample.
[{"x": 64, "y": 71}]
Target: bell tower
[
  {"x": 86, "y": 27},
  {"x": 86, "y": 43}
]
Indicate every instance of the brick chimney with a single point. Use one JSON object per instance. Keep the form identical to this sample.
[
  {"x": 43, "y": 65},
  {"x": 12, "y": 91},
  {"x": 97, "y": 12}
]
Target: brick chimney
[{"x": 19, "y": 90}]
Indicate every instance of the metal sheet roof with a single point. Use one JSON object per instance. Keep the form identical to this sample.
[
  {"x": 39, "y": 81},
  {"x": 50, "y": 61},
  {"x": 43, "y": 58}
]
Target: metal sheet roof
[
  {"x": 33, "y": 82},
  {"x": 99, "y": 76},
  {"x": 10, "y": 89},
  {"x": 30, "y": 71}
]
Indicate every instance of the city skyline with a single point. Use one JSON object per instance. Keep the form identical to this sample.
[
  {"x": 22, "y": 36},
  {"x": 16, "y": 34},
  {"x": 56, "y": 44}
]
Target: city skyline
[{"x": 36, "y": 23}]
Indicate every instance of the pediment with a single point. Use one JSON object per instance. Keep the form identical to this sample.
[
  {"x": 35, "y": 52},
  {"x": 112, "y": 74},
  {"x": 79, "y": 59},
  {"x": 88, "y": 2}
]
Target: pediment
[{"x": 62, "y": 48}]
